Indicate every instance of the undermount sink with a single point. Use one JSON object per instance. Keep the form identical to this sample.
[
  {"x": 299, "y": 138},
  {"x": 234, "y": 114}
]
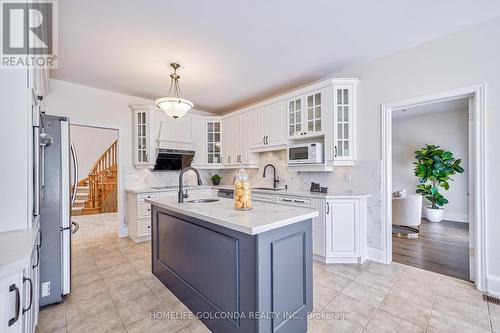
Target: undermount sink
[
  {"x": 267, "y": 188},
  {"x": 202, "y": 200}
]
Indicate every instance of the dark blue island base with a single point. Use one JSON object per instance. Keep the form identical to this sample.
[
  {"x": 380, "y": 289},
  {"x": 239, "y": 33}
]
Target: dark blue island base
[{"x": 236, "y": 282}]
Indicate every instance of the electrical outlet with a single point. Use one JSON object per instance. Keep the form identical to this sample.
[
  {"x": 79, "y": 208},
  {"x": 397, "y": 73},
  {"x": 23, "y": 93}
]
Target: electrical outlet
[{"x": 348, "y": 176}]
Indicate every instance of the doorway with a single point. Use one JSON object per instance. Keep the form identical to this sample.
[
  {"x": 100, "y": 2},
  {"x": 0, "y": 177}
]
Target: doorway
[
  {"x": 95, "y": 208},
  {"x": 476, "y": 96},
  {"x": 438, "y": 245}
]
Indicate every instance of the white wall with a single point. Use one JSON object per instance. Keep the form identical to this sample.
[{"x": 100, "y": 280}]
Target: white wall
[
  {"x": 90, "y": 143},
  {"x": 458, "y": 60},
  {"x": 449, "y": 130}
]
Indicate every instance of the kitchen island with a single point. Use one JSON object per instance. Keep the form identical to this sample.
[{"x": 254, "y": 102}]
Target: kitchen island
[{"x": 239, "y": 271}]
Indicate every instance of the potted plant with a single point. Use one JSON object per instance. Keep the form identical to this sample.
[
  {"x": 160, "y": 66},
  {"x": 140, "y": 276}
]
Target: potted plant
[
  {"x": 216, "y": 179},
  {"x": 433, "y": 168}
]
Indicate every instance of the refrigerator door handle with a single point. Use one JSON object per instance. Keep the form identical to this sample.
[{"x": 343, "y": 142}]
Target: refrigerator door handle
[
  {"x": 36, "y": 170},
  {"x": 74, "y": 157}
]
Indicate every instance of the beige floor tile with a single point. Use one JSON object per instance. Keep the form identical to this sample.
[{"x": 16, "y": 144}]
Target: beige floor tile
[
  {"x": 138, "y": 308},
  {"x": 331, "y": 325},
  {"x": 355, "y": 311},
  {"x": 475, "y": 315},
  {"x": 442, "y": 323},
  {"x": 166, "y": 296},
  {"x": 331, "y": 280},
  {"x": 194, "y": 327},
  {"x": 152, "y": 325},
  {"x": 349, "y": 271},
  {"x": 84, "y": 269},
  {"x": 385, "y": 322},
  {"x": 409, "y": 309},
  {"x": 89, "y": 307},
  {"x": 52, "y": 319},
  {"x": 107, "y": 262},
  {"x": 153, "y": 282},
  {"x": 322, "y": 295},
  {"x": 463, "y": 292},
  {"x": 121, "y": 280},
  {"x": 92, "y": 291},
  {"x": 81, "y": 281},
  {"x": 111, "y": 272},
  {"x": 133, "y": 290},
  {"x": 412, "y": 290},
  {"x": 107, "y": 320},
  {"x": 364, "y": 293},
  {"x": 378, "y": 281},
  {"x": 318, "y": 267},
  {"x": 391, "y": 271}
]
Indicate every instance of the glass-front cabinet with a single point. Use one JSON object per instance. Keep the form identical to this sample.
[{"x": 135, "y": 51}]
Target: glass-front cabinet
[
  {"x": 344, "y": 104},
  {"x": 305, "y": 116},
  {"x": 141, "y": 119},
  {"x": 214, "y": 142}
]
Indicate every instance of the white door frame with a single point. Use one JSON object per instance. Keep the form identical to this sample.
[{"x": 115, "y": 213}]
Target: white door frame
[
  {"x": 122, "y": 227},
  {"x": 478, "y": 94}
]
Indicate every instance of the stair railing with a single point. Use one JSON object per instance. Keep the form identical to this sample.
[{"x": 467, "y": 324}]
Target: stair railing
[{"x": 98, "y": 179}]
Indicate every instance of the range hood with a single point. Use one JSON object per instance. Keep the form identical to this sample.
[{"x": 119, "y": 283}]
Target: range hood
[{"x": 173, "y": 159}]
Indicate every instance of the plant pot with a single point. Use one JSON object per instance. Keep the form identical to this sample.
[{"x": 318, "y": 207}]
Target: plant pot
[
  {"x": 434, "y": 214},
  {"x": 216, "y": 182}
]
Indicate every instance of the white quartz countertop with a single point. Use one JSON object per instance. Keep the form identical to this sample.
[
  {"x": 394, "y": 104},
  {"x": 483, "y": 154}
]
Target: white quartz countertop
[
  {"x": 305, "y": 194},
  {"x": 263, "y": 217},
  {"x": 298, "y": 193},
  {"x": 168, "y": 188},
  {"x": 15, "y": 250}
]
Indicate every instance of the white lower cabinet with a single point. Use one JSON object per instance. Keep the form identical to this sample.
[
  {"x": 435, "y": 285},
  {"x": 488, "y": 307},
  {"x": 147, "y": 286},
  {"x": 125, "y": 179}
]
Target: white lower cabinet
[
  {"x": 139, "y": 211},
  {"x": 339, "y": 231},
  {"x": 19, "y": 298},
  {"x": 345, "y": 231},
  {"x": 11, "y": 294}
]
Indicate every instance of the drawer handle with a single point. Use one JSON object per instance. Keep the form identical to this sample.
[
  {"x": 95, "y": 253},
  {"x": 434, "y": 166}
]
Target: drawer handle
[
  {"x": 299, "y": 201},
  {"x": 286, "y": 200},
  {"x": 31, "y": 294},
  {"x": 12, "y": 288}
]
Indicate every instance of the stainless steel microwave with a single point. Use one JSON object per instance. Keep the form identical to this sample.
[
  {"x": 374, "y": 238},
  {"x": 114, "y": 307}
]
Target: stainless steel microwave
[{"x": 306, "y": 153}]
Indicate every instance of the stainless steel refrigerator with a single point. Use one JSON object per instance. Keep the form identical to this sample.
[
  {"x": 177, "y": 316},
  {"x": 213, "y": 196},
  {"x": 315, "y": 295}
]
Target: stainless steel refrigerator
[{"x": 54, "y": 159}]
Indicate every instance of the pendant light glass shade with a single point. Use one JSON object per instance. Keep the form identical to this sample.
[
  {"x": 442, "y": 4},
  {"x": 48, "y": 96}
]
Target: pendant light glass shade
[{"x": 173, "y": 105}]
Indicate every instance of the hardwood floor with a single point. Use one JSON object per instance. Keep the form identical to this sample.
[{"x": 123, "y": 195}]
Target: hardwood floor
[{"x": 441, "y": 247}]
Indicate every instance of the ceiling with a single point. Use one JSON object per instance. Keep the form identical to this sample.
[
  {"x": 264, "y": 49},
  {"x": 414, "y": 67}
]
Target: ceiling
[
  {"x": 461, "y": 105},
  {"x": 234, "y": 53}
]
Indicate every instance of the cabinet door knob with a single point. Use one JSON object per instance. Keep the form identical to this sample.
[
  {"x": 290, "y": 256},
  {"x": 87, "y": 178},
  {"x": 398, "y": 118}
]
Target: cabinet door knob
[{"x": 327, "y": 208}]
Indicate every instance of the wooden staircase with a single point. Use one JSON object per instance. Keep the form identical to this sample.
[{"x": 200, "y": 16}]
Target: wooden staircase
[{"x": 97, "y": 193}]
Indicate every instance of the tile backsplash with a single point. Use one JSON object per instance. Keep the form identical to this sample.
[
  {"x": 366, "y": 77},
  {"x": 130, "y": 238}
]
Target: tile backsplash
[{"x": 363, "y": 177}]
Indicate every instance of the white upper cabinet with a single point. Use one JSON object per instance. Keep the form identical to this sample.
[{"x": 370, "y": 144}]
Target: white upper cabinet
[
  {"x": 236, "y": 142},
  {"x": 214, "y": 142},
  {"x": 257, "y": 139},
  {"x": 207, "y": 142},
  {"x": 268, "y": 127},
  {"x": 275, "y": 125},
  {"x": 143, "y": 144},
  {"x": 344, "y": 122},
  {"x": 308, "y": 114}
]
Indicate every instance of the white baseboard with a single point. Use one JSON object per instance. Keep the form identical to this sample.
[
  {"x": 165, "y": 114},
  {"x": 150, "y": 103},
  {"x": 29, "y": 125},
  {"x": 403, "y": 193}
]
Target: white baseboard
[
  {"x": 375, "y": 254},
  {"x": 493, "y": 285},
  {"x": 456, "y": 217}
]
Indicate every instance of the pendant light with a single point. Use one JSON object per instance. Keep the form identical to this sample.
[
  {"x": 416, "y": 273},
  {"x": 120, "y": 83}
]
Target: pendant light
[{"x": 173, "y": 105}]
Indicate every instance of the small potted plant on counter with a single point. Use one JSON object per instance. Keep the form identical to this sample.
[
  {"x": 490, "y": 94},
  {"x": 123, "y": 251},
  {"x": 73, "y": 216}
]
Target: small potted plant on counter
[
  {"x": 216, "y": 179},
  {"x": 433, "y": 168}
]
